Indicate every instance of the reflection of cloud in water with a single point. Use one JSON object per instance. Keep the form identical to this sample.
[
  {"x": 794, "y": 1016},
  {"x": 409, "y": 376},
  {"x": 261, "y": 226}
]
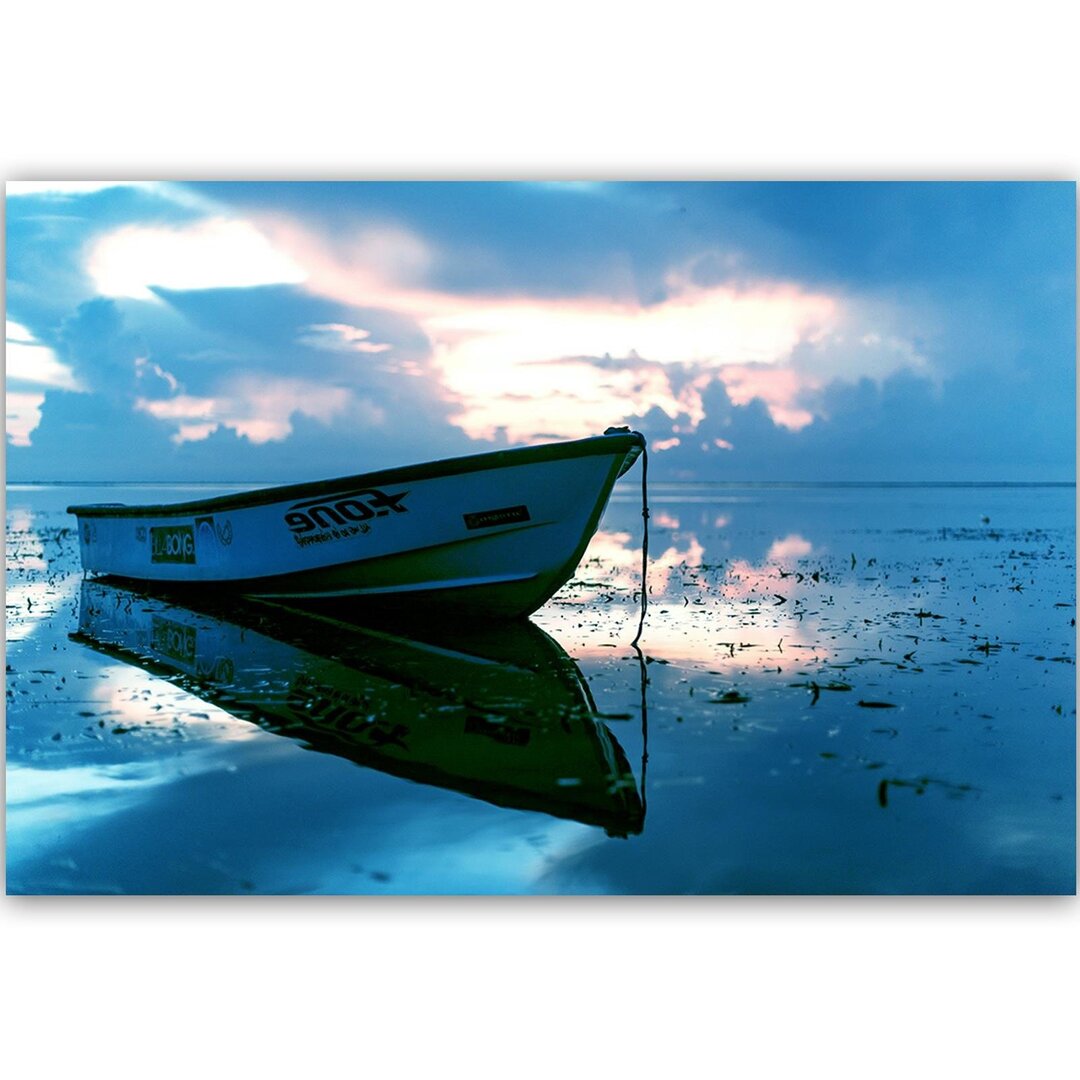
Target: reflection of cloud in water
[
  {"x": 31, "y": 602},
  {"x": 129, "y": 695},
  {"x": 20, "y": 520},
  {"x": 613, "y": 561},
  {"x": 791, "y": 547},
  {"x": 45, "y": 805},
  {"x": 699, "y": 611},
  {"x": 512, "y": 854}
]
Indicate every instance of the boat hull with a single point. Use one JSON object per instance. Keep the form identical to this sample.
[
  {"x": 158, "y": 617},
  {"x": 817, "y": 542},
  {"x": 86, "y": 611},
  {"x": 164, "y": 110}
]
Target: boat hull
[{"x": 496, "y": 534}]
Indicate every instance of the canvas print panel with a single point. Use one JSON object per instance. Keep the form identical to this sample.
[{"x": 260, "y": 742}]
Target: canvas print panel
[{"x": 540, "y": 538}]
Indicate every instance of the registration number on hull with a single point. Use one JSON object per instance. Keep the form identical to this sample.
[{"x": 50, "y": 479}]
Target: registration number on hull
[{"x": 172, "y": 544}]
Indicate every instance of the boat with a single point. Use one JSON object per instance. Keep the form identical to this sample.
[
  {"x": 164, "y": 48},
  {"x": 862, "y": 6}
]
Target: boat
[
  {"x": 498, "y": 712},
  {"x": 495, "y": 534}
]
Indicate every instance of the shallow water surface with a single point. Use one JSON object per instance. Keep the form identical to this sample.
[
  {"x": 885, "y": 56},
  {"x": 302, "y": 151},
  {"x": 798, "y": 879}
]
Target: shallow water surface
[{"x": 840, "y": 690}]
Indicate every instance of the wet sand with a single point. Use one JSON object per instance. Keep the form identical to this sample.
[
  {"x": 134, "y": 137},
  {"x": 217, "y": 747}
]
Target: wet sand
[{"x": 840, "y": 690}]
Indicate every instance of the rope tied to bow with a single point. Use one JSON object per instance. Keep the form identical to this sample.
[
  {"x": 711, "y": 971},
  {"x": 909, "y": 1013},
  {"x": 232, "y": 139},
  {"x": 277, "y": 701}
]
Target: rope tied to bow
[{"x": 645, "y": 523}]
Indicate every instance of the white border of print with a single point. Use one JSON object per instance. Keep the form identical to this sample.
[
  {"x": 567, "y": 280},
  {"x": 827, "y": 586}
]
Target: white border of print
[{"x": 522, "y": 987}]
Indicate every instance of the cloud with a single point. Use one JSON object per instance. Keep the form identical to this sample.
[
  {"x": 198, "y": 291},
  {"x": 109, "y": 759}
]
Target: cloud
[
  {"x": 340, "y": 337},
  {"x": 258, "y": 408},
  {"x": 37, "y": 365},
  {"x": 214, "y": 385},
  {"x": 400, "y": 254},
  {"x": 752, "y": 330},
  {"x": 779, "y": 388},
  {"x": 283, "y": 351},
  {"x": 62, "y": 189},
  {"x": 32, "y": 364},
  {"x": 31, "y": 368},
  {"x": 101, "y": 350},
  {"x": 213, "y": 253},
  {"x": 145, "y": 368},
  {"x": 23, "y": 414},
  {"x": 530, "y": 367}
]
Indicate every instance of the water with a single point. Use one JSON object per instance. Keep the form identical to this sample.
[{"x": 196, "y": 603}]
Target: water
[{"x": 841, "y": 690}]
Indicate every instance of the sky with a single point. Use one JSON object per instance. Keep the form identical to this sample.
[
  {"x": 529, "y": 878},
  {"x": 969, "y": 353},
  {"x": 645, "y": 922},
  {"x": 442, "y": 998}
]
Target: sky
[{"x": 254, "y": 331}]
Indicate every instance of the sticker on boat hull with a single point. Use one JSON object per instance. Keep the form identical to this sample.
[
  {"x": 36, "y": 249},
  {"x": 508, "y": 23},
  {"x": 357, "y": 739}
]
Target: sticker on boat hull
[
  {"x": 205, "y": 530},
  {"x": 209, "y": 530},
  {"x": 335, "y": 517},
  {"x": 488, "y": 519}
]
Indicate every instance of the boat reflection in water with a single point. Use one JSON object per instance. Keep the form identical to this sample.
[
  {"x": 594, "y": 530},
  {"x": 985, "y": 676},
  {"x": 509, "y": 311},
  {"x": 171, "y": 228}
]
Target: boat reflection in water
[{"x": 500, "y": 714}]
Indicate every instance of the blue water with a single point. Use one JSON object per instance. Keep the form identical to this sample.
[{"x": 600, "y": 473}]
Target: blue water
[{"x": 842, "y": 690}]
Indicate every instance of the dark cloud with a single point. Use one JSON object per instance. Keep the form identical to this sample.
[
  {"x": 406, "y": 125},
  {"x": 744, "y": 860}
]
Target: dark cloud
[
  {"x": 902, "y": 429},
  {"x": 389, "y": 418},
  {"x": 268, "y": 322},
  {"x": 115, "y": 442},
  {"x": 103, "y": 439},
  {"x": 498, "y": 238},
  {"x": 99, "y": 348}
]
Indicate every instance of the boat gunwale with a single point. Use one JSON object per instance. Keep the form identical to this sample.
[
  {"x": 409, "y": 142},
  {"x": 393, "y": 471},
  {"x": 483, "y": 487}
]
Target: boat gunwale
[{"x": 497, "y": 459}]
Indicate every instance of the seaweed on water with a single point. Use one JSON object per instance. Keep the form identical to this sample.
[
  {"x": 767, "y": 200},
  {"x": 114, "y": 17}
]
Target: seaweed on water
[{"x": 920, "y": 786}]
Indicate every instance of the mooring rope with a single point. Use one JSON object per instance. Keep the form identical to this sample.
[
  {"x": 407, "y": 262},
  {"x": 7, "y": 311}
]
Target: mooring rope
[
  {"x": 644, "y": 676},
  {"x": 644, "y": 538},
  {"x": 642, "y": 669}
]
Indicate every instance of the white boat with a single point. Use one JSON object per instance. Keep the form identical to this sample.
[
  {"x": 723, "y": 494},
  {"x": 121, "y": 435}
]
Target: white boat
[{"x": 495, "y": 534}]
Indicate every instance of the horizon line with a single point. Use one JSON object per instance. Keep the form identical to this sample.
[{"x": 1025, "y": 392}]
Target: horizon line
[{"x": 679, "y": 482}]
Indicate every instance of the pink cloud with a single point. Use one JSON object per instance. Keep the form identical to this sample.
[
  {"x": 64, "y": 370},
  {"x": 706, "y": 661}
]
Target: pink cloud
[
  {"x": 181, "y": 407},
  {"x": 520, "y": 365},
  {"x": 780, "y": 388},
  {"x": 790, "y": 547},
  {"x": 23, "y": 414}
]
